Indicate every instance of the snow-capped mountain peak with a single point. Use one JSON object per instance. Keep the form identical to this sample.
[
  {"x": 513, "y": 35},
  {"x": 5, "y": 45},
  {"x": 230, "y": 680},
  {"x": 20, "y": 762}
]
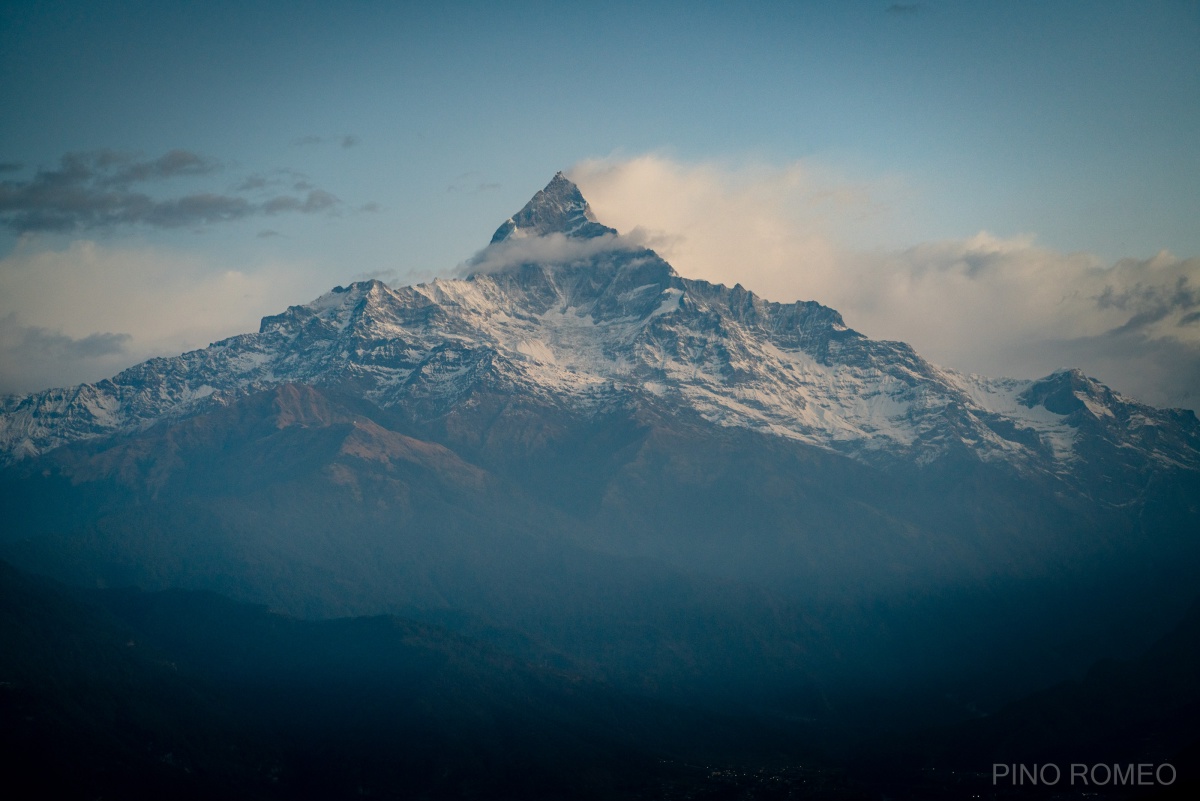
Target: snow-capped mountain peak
[
  {"x": 558, "y": 209},
  {"x": 604, "y": 322}
]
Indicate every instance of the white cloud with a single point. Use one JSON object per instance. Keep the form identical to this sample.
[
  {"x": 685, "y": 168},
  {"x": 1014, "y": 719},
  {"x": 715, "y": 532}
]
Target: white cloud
[
  {"x": 1009, "y": 307},
  {"x": 87, "y": 311},
  {"x": 777, "y": 228},
  {"x": 980, "y": 303},
  {"x": 552, "y": 249}
]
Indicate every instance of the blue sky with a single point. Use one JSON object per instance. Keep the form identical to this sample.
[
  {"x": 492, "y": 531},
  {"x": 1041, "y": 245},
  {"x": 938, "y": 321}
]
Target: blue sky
[{"x": 278, "y": 149}]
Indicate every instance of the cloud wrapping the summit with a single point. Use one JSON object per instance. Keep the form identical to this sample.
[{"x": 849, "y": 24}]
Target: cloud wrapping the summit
[{"x": 549, "y": 249}]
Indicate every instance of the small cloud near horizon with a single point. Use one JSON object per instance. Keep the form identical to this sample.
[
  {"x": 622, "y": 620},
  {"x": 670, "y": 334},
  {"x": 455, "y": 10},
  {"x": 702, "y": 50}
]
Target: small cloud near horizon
[
  {"x": 387, "y": 276},
  {"x": 27, "y": 350},
  {"x": 44, "y": 343},
  {"x": 345, "y": 141},
  {"x": 88, "y": 310}
]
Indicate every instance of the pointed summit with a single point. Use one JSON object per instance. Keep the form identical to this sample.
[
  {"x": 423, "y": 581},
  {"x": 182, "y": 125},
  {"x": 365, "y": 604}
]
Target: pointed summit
[{"x": 557, "y": 209}]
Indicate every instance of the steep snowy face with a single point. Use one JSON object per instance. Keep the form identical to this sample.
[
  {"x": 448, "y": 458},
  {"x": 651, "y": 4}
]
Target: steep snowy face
[
  {"x": 616, "y": 324},
  {"x": 557, "y": 209}
]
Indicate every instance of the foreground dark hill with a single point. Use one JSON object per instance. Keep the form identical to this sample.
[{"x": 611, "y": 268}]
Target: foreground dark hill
[
  {"x": 189, "y": 695},
  {"x": 1108, "y": 714},
  {"x": 1141, "y": 711},
  {"x": 119, "y": 693}
]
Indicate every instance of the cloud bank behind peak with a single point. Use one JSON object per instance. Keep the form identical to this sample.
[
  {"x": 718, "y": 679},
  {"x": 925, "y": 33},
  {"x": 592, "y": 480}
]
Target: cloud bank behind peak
[{"x": 997, "y": 305}]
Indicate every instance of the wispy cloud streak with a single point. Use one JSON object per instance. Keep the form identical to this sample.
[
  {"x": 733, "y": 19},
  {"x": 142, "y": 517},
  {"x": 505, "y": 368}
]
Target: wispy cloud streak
[{"x": 108, "y": 189}]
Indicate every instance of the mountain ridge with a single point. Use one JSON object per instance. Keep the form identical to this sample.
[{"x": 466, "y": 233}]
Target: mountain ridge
[{"x": 609, "y": 321}]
